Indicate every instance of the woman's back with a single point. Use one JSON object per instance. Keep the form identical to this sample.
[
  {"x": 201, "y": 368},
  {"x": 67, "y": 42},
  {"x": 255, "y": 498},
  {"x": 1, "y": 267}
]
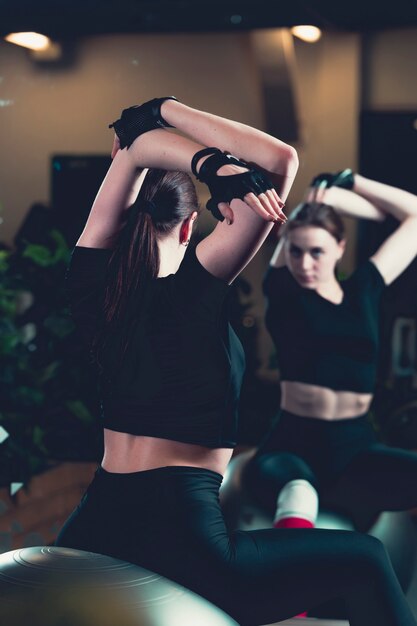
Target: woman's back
[{"x": 180, "y": 375}]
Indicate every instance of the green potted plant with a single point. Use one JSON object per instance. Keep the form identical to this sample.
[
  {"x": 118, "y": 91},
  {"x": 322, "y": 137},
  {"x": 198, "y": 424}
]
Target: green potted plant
[{"x": 48, "y": 407}]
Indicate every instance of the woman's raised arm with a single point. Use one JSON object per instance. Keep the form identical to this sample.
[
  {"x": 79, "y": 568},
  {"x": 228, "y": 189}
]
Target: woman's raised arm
[
  {"x": 234, "y": 241},
  {"x": 370, "y": 199},
  {"x": 228, "y": 249}
]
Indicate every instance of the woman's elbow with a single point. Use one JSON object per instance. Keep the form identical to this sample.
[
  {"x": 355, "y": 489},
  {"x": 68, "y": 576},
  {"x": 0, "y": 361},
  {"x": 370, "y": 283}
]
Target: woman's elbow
[
  {"x": 286, "y": 161},
  {"x": 411, "y": 225},
  {"x": 293, "y": 161}
]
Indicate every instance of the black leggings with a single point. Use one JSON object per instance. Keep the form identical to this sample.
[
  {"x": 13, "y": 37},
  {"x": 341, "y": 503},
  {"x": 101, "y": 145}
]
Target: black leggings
[
  {"x": 351, "y": 471},
  {"x": 169, "y": 521}
]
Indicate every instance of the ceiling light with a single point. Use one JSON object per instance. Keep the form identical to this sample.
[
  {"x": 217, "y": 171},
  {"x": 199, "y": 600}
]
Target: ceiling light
[
  {"x": 307, "y": 33},
  {"x": 34, "y": 41}
]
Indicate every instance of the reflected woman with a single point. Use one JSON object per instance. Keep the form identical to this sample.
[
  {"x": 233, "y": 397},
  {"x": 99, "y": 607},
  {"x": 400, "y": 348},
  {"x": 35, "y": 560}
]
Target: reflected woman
[{"x": 326, "y": 337}]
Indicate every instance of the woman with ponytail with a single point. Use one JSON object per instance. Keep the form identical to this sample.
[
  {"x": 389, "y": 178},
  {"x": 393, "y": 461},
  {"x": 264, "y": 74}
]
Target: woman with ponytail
[{"x": 153, "y": 313}]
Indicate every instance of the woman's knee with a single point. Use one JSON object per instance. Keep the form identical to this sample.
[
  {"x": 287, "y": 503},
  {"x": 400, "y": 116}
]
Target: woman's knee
[
  {"x": 266, "y": 474},
  {"x": 284, "y": 467},
  {"x": 368, "y": 554}
]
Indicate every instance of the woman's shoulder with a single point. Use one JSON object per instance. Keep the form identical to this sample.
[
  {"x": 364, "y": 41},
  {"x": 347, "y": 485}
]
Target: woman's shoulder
[
  {"x": 193, "y": 284},
  {"x": 88, "y": 265},
  {"x": 278, "y": 278},
  {"x": 366, "y": 278},
  {"x": 89, "y": 257},
  {"x": 191, "y": 269}
]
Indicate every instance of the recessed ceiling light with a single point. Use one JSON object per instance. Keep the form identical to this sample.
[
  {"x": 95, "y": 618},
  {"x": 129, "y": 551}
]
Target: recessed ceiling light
[
  {"x": 307, "y": 33},
  {"x": 33, "y": 41}
]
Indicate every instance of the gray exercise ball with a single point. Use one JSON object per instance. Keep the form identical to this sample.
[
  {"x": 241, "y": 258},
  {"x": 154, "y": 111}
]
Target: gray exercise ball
[{"x": 51, "y": 586}]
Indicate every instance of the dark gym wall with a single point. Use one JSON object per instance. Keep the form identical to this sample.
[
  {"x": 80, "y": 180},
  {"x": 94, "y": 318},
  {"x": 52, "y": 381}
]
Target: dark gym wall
[{"x": 388, "y": 152}]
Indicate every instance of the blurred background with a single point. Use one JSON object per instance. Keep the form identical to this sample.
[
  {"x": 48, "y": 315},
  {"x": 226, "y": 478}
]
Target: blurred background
[{"x": 344, "y": 94}]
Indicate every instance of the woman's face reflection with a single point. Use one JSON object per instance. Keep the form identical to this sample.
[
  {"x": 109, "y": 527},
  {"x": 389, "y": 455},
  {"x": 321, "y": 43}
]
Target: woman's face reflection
[{"x": 311, "y": 254}]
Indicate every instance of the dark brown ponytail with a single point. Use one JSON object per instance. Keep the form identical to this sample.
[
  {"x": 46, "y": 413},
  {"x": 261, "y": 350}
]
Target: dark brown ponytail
[{"x": 165, "y": 200}]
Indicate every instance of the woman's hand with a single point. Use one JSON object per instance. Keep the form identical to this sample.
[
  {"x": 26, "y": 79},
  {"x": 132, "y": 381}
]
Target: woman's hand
[
  {"x": 320, "y": 183},
  {"x": 314, "y": 194},
  {"x": 268, "y": 205},
  {"x": 229, "y": 178},
  {"x": 139, "y": 119}
]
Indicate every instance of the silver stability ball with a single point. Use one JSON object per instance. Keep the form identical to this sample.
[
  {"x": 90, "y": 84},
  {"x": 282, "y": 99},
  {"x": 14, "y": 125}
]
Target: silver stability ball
[{"x": 51, "y": 586}]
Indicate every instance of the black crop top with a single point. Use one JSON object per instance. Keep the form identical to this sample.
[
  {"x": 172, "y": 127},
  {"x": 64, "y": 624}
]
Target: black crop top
[
  {"x": 181, "y": 376},
  {"x": 321, "y": 343}
]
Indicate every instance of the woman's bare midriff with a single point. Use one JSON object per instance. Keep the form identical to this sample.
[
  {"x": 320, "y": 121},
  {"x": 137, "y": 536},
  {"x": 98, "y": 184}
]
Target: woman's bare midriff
[
  {"x": 314, "y": 401},
  {"x": 125, "y": 453}
]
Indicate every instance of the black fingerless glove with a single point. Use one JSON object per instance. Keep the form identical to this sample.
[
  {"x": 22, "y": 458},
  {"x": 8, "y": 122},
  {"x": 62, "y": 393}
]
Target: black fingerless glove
[
  {"x": 140, "y": 119},
  {"x": 226, "y": 188},
  {"x": 344, "y": 179}
]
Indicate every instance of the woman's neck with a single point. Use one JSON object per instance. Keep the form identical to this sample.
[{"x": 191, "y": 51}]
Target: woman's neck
[
  {"x": 331, "y": 290},
  {"x": 171, "y": 253}
]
